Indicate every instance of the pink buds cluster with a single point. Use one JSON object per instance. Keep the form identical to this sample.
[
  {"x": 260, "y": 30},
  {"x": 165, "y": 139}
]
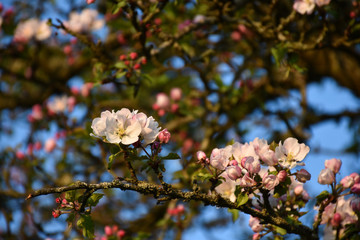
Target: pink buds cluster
[
  {"x": 165, "y": 104},
  {"x": 177, "y": 211},
  {"x": 132, "y": 61},
  {"x": 113, "y": 232},
  {"x": 327, "y": 175}
]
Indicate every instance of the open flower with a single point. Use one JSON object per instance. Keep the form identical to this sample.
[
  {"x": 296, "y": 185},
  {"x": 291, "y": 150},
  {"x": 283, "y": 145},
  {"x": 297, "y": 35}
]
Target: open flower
[
  {"x": 291, "y": 153},
  {"x": 304, "y": 6},
  {"x": 120, "y": 129}
]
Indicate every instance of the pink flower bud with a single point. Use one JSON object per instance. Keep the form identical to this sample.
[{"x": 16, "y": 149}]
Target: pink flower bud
[
  {"x": 347, "y": 182},
  {"x": 326, "y": 177},
  {"x": 133, "y": 55},
  {"x": 356, "y": 177},
  {"x": 122, "y": 57},
  {"x": 256, "y": 236},
  {"x": 155, "y": 107},
  {"x": 298, "y": 189},
  {"x": 233, "y": 172},
  {"x": 50, "y": 145},
  {"x": 180, "y": 209},
  {"x": 37, "y": 146},
  {"x": 56, "y": 213},
  {"x": 270, "y": 181},
  {"x": 242, "y": 162},
  {"x": 201, "y": 156},
  {"x": 255, "y": 225},
  {"x": 64, "y": 201},
  {"x": 20, "y": 155},
  {"x": 85, "y": 89},
  {"x": 67, "y": 50},
  {"x": 174, "y": 107},
  {"x": 236, "y": 36},
  {"x": 75, "y": 91},
  {"x": 164, "y": 136},
  {"x": 302, "y": 175},
  {"x": 71, "y": 103},
  {"x": 162, "y": 100},
  {"x": 333, "y": 164},
  {"x": 120, "y": 233},
  {"x": 58, "y": 200},
  {"x": 161, "y": 112},
  {"x": 137, "y": 66},
  {"x": 252, "y": 165},
  {"x": 282, "y": 176},
  {"x": 355, "y": 204},
  {"x": 115, "y": 228},
  {"x": 176, "y": 94},
  {"x": 108, "y": 230},
  {"x": 336, "y": 220},
  {"x": 30, "y": 149},
  {"x": 355, "y": 188},
  {"x": 90, "y": 1}
]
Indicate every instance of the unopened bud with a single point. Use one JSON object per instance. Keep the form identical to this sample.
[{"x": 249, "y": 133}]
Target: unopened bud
[{"x": 164, "y": 136}]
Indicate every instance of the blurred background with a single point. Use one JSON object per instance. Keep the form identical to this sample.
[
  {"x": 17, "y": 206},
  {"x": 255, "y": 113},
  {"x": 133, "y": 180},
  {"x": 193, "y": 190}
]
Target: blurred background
[{"x": 208, "y": 71}]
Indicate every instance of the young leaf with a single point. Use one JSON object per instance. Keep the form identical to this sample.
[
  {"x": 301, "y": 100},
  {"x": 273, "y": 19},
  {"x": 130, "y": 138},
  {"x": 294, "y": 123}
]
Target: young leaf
[
  {"x": 85, "y": 222},
  {"x": 171, "y": 156},
  {"x": 94, "y": 199},
  {"x": 235, "y": 214},
  {"x": 321, "y": 197},
  {"x": 242, "y": 198}
]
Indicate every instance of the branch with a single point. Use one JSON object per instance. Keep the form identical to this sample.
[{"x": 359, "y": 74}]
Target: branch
[{"x": 158, "y": 190}]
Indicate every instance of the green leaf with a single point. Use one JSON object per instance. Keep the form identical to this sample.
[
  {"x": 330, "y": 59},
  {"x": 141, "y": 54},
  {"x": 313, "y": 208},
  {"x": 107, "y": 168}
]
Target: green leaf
[
  {"x": 235, "y": 214},
  {"x": 111, "y": 160},
  {"x": 70, "y": 195},
  {"x": 120, "y": 74},
  {"x": 279, "y": 54},
  {"x": 204, "y": 176},
  {"x": 85, "y": 222},
  {"x": 321, "y": 197},
  {"x": 120, "y": 65},
  {"x": 280, "y": 230},
  {"x": 242, "y": 198},
  {"x": 171, "y": 156},
  {"x": 94, "y": 199},
  {"x": 117, "y": 7}
]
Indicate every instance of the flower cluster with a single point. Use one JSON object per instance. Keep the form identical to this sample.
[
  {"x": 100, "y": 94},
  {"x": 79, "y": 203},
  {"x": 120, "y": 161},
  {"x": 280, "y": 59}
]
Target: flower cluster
[
  {"x": 242, "y": 164},
  {"x": 307, "y": 6},
  {"x": 163, "y": 102},
  {"x": 125, "y": 127},
  {"x": 85, "y": 21},
  {"x": 32, "y": 28},
  {"x": 112, "y": 232}
]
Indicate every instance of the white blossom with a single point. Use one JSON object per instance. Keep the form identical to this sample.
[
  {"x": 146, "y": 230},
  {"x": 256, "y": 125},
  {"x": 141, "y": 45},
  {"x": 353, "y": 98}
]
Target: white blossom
[
  {"x": 291, "y": 153},
  {"x": 32, "y": 28},
  {"x": 85, "y": 21}
]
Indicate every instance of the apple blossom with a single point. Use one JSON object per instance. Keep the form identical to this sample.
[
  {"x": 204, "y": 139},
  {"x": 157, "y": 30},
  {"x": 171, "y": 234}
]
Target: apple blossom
[
  {"x": 85, "y": 21},
  {"x": 356, "y": 177},
  {"x": 255, "y": 225},
  {"x": 99, "y": 124},
  {"x": 149, "y": 127},
  {"x": 282, "y": 175},
  {"x": 50, "y": 145},
  {"x": 326, "y": 177},
  {"x": 120, "y": 129},
  {"x": 201, "y": 156},
  {"x": 227, "y": 188},
  {"x": 355, "y": 188},
  {"x": 321, "y": 3},
  {"x": 175, "y": 94},
  {"x": 347, "y": 182},
  {"x": 252, "y": 165},
  {"x": 246, "y": 181},
  {"x": 32, "y": 28},
  {"x": 333, "y": 164},
  {"x": 270, "y": 181},
  {"x": 59, "y": 104},
  {"x": 291, "y": 152},
  {"x": 233, "y": 172},
  {"x": 162, "y": 101},
  {"x": 298, "y": 189},
  {"x": 90, "y": 1},
  {"x": 164, "y": 136},
  {"x": 219, "y": 158},
  {"x": 304, "y": 6},
  {"x": 108, "y": 230}
]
